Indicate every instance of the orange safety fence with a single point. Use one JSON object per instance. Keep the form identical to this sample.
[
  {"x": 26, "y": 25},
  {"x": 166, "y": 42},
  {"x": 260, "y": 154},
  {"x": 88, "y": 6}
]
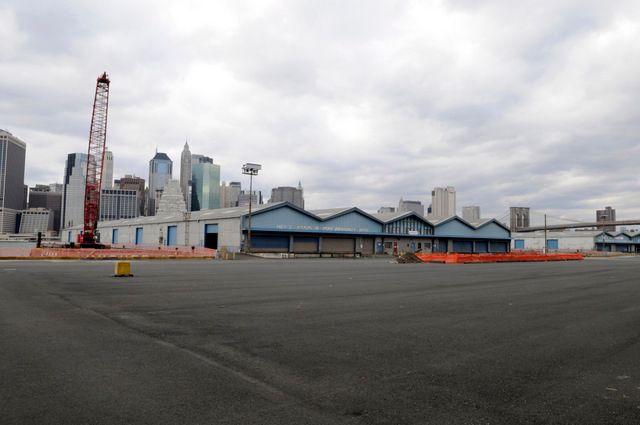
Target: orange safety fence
[
  {"x": 509, "y": 257},
  {"x": 122, "y": 253}
]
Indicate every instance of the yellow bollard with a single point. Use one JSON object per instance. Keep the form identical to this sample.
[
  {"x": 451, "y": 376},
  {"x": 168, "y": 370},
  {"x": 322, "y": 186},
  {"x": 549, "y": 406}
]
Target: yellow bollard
[{"x": 123, "y": 269}]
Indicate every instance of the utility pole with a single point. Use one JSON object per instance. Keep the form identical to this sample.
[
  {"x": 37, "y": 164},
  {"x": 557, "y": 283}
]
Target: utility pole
[{"x": 545, "y": 234}]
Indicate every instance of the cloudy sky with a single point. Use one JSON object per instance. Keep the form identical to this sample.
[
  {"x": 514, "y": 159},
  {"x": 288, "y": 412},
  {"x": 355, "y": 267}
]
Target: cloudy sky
[{"x": 531, "y": 103}]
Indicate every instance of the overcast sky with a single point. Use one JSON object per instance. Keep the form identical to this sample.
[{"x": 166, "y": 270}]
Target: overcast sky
[{"x": 530, "y": 103}]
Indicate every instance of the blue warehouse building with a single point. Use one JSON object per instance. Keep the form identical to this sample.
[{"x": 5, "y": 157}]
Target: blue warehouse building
[
  {"x": 618, "y": 242},
  {"x": 285, "y": 228}
]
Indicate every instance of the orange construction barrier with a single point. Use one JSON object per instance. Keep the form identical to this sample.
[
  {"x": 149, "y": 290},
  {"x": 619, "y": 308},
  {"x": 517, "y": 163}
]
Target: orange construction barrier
[
  {"x": 122, "y": 253},
  {"x": 508, "y": 257}
]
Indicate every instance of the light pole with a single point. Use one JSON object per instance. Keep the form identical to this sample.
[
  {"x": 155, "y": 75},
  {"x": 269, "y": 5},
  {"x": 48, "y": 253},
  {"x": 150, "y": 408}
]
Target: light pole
[{"x": 251, "y": 170}]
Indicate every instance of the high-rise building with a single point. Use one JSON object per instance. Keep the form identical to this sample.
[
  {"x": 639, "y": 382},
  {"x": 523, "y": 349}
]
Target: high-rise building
[
  {"x": 56, "y": 187},
  {"x": 519, "y": 217},
  {"x": 160, "y": 172},
  {"x": 205, "y": 183},
  {"x": 386, "y": 210},
  {"x": 107, "y": 171},
  {"x": 471, "y": 213},
  {"x": 288, "y": 194},
  {"x": 36, "y": 220},
  {"x": 243, "y": 198},
  {"x": 171, "y": 199},
  {"x": 443, "y": 202},
  {"x": 406, "y": 206},
  {"x": 75, "y": 173},
  {"x": 185, "y": 174},
  {"x": 607, "y": 215},
  {"x": 116, "y": 204},
  {"x": 12, "y": 193},
  {"x": 229, "y": 194},
  {"x": 131, "y": 182},
  {"x": 41, "y": 196}
]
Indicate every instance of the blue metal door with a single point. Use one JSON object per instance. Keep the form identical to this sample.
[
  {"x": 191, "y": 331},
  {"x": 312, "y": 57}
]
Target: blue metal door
[
  {"x": 138, "y": 235},
  {"x": 519, "y": 244},
  {"x": 413, "y": 247},
  {"x": 172, "y": 235},
  {"x": 552, "y": 244},
  {"x": 211, "y": 236},
  {"x": 114, "y": 236}
]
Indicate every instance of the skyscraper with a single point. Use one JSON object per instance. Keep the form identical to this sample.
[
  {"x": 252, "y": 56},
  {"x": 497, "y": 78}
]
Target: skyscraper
[
  {"x": 205, "y": 183},
  {"x": 415, "y": 206},
  {"x": 41, "y": 196},
  {"x": 116, "y": 204},
  {"x": 12, "y": 193},
  {"x": 74, "y": 179},
  {"x": 288, "y": 194},
  {"x": 243, "y": 198},
  {"x": 171, "y": 200},
  {"x": 107, "y": 171},
  {"x": 131, "y": 182},
  {"x": 185, "y": 174},
  {"x": 229, "y": 194},
  {"x": 443, "y": 202},
  {"x": 160, "y": 172},
  {"x": 471, "y": 213}
]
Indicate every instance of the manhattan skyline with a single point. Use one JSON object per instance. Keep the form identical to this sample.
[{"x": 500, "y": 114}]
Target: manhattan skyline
[{"x": 528, "y": 104}]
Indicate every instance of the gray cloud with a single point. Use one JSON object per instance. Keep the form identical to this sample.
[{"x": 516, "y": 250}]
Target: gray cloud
[{"x": 530, "y": 102}]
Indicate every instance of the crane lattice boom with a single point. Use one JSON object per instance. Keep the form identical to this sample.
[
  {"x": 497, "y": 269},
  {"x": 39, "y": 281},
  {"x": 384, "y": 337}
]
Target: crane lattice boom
[{"x": 95, "y": 160}]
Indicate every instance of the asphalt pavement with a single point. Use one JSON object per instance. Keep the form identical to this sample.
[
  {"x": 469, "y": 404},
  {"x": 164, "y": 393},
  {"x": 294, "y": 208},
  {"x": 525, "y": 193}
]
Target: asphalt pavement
[{"x": 320, "y": 342}]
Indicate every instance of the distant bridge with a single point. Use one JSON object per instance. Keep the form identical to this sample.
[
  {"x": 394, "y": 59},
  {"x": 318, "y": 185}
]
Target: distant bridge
[{"x": 577, "y": 225}]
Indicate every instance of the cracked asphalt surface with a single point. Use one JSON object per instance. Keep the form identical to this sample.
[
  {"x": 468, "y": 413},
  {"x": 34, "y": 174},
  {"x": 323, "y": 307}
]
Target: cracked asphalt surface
[{"x": 320, "y": 342}]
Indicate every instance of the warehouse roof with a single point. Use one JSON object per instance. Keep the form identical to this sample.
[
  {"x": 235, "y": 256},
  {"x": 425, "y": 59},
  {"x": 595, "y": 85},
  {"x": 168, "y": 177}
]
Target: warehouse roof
[
  {"x": 328, "y": 214},
  {"x": 390, "y": 217}
]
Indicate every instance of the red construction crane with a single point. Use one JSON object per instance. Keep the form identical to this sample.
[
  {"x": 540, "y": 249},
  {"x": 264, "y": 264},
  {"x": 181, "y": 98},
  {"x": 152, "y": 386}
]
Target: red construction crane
[{"x": 95, "y": 161}]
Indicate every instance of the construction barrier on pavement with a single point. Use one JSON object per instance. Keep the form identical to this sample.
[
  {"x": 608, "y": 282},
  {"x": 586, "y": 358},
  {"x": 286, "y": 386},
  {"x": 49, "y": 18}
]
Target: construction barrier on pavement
[
  {"x": 510, "y": 257},
  {"x": 121, "y": 253}
]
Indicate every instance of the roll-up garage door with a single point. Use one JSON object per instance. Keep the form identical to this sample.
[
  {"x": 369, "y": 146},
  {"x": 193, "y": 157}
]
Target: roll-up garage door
[
  {"x": 498, "y": 247},
  {"x": 305, "y": 244},
  {"x": 338, "y": 245},
  {"x": 482, "y": 246},
  {"x": 367, "y": 246},
  {"x": 440, "y": 245},
  {"x": 261, "y": 243},
  {"x": 462, "y": 246}
]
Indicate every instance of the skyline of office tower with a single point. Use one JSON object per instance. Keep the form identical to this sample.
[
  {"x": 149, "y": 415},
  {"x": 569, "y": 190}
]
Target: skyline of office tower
[
  {"x": 415, "y": 206},
  {"x": 133, "y": 182},
  {"x": 12, "y": 190},
  {"x": 107, "y": 171},
  {"x": 160, "y": 172},
  {"x": 386, "y": 210},
  {"x": 443, "y": 202},
  {"x": 294, "y": 195},
  {"x": 116, "y": 204},
  {"x": 185, "y": 175},
  {"x": 74, "y": 179},
  {"x": 229, "y": 194},
  {"x": 34, "y": 220},
  {"x": 205, "y": 183},
  {"x": 471, "y": 213},
  {"x": 41, "y": 196},
  {"x": 606, "y": 215},
  {"x": 243, "y": 198},
  {"x": 171, "y": 200}
]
